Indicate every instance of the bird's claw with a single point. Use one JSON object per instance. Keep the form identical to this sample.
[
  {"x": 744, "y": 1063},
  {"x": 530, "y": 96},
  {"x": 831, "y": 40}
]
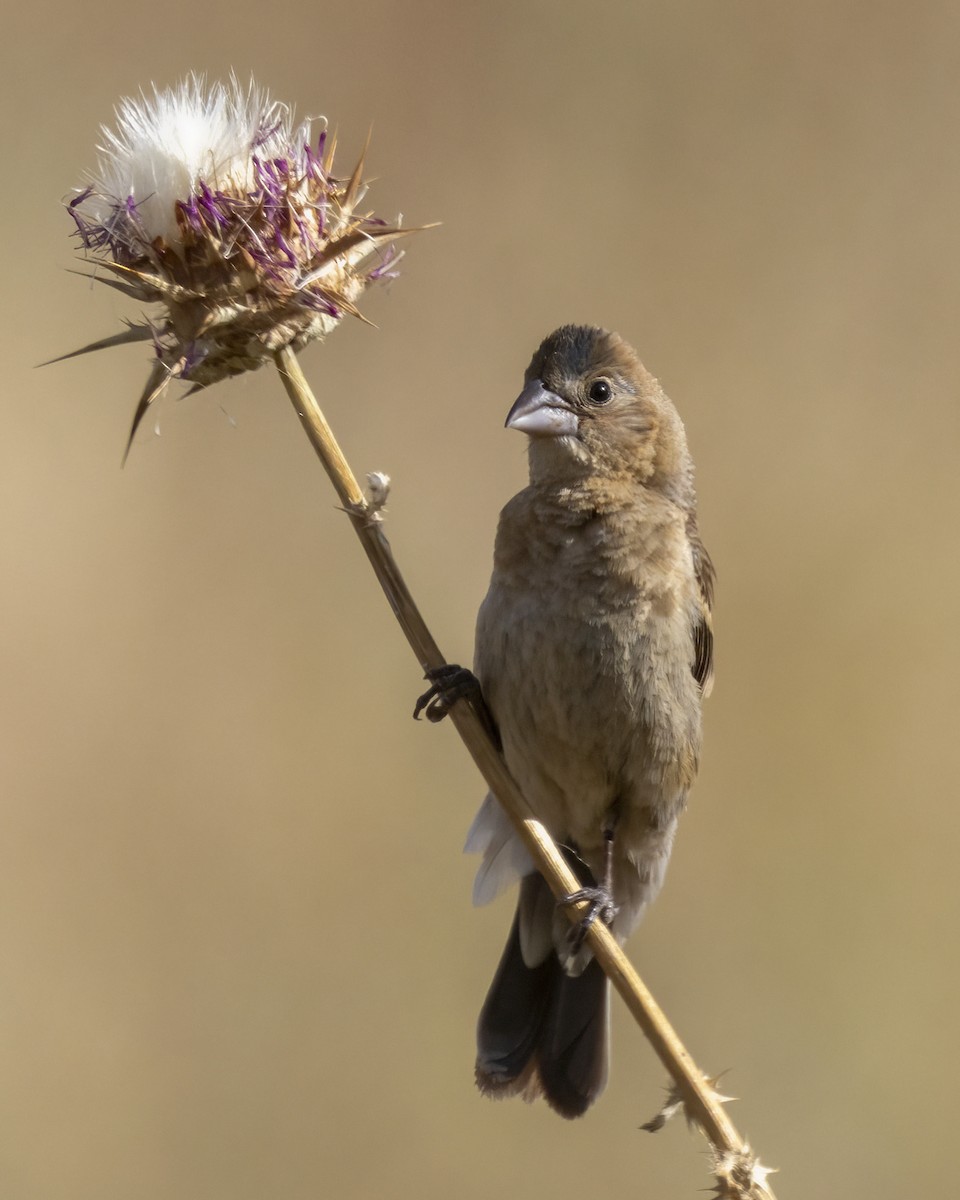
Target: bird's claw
[
  {"x": 448, "y": 684},
  {"x": 601, "y": 905}
]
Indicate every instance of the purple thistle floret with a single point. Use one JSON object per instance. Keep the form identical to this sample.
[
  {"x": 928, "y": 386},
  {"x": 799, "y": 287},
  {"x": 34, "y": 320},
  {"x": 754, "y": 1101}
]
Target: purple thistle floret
[
  {"x": 194, "y": 354},
  {"x": 389, "y": 257}
]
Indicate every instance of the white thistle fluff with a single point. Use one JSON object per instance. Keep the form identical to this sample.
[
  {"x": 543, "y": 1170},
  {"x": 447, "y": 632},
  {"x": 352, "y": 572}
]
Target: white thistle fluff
[{"x": 165, "y": 144}]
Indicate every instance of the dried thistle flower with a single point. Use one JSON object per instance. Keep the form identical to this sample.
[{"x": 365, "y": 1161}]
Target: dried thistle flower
[{"x": 211, "y": 202}]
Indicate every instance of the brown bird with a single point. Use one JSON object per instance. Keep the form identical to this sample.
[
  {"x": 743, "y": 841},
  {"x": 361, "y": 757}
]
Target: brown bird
[{"x": 593, "y": 653}]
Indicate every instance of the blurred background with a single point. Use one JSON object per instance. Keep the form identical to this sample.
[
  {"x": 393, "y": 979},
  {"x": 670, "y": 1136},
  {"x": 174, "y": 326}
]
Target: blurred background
[{"x": 237, "y": 953}]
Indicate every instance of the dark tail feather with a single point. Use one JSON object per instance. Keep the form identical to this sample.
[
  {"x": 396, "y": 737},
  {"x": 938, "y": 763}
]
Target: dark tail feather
[
  {"x": 574, "y": 1044},
  {"x": 540, "y": 1030},
  {"x": 512, "y": 1018}
]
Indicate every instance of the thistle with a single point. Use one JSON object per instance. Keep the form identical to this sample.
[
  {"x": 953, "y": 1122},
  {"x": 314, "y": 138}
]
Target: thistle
[{"x": 213, "y": 204}]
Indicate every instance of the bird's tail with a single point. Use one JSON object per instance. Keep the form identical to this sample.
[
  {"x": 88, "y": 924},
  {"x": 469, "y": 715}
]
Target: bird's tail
[{"x": 541, "y": 1031}]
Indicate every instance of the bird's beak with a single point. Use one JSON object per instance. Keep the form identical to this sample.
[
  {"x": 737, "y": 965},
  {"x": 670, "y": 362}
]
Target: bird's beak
[{"x": 541, "y": 413}]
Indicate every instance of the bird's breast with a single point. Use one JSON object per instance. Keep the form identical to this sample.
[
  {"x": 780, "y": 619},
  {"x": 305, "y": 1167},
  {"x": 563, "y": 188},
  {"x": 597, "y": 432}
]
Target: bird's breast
[{"x": 584, "y": 653}]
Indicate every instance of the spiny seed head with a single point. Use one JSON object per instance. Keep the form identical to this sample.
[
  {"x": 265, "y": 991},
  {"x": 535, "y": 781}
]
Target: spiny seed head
[
  {"x": 740, "y": 1175},
  {"x": 210, "y": 202}
]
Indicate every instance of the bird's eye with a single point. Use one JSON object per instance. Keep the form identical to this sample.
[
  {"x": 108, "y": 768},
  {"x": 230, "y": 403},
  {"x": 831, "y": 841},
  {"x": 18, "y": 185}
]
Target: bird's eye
[{"x": 600, "y": 391}]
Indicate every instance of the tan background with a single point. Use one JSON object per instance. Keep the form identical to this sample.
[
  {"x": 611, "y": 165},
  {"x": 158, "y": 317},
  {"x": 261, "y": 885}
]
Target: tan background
[{"x": 237, "y": 954}]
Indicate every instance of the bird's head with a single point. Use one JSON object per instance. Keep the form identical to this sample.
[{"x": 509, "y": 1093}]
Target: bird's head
[{"x": 590, "y": 406}]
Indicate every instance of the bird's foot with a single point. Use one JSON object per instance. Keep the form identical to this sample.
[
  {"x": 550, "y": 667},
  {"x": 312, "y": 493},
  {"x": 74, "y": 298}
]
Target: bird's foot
[
  {"x": 448, "y": 684},
  {"x": 600, "y": 905}
]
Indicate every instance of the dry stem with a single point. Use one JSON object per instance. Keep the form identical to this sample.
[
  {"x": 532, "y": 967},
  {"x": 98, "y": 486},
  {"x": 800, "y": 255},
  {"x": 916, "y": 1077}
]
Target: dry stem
[{"x": 699, "y": 1096}]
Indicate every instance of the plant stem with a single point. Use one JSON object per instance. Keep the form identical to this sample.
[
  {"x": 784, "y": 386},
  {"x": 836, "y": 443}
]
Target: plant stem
[{"x": 699, "y": 1096}]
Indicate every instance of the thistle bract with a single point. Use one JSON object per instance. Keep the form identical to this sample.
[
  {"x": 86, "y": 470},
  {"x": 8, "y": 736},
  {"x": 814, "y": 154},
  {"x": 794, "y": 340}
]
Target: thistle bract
[{"x": 211, "y": 203}]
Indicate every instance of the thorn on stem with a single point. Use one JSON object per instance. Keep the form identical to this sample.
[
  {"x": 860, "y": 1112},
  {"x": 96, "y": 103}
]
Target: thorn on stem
[
  {"x": 378, "y": 491},
  {"x": 674, "y": 1103},
  {"x": 740, "y": 1175}
]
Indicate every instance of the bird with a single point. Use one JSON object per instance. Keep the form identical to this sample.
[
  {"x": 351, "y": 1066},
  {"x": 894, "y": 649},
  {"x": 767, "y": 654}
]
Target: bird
[{"x": 593, "y": 654}]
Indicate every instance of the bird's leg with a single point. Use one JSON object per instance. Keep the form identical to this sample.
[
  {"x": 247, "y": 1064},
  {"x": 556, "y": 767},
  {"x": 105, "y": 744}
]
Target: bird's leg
[
  {"x": 451, "y": 683},
  {"x": 600, "y": 896}
]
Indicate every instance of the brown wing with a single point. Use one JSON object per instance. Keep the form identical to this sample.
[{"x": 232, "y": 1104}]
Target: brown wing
[{"x": 703, "y": 629}]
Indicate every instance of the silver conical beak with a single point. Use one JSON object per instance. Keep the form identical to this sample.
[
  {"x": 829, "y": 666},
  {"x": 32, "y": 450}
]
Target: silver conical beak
[{"x": 541, "y": 413}]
